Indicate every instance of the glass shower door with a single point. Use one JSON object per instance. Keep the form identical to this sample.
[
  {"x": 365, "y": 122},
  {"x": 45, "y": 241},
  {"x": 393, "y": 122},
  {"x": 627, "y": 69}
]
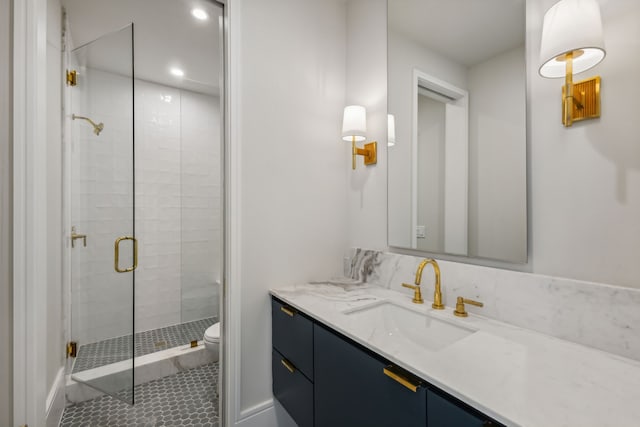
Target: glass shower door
[{"x": 104, "y": 248}]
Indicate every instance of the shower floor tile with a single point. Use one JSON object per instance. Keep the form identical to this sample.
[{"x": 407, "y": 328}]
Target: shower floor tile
[
  {"x": 188, "y": 398},
  {"x": 114, "y": 350}
]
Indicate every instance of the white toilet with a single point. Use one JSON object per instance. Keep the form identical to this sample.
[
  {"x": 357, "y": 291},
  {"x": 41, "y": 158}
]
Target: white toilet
[{"x": 212, "y": 340}]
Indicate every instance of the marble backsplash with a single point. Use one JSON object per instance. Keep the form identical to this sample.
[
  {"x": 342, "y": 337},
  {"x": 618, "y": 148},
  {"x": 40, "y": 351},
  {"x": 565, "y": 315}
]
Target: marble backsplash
[{"x": 597, "y": 315}]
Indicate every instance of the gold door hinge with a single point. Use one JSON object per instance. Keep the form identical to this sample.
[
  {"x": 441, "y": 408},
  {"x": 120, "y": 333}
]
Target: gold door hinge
[
  {"x": 72, "y": 349},
  {"x": 72, "y": 77}
]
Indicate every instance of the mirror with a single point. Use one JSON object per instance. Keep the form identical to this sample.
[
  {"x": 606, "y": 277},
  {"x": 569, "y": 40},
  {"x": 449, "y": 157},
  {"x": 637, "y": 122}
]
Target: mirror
[{"x": 457, "y": 100}]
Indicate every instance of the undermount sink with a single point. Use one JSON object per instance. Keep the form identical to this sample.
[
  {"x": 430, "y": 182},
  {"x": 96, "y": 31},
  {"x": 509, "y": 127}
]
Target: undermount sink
[{"x": 392, "y": 322}]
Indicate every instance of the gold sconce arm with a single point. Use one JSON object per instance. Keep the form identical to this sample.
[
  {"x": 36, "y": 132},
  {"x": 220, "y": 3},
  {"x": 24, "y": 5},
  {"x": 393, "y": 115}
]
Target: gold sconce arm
[
  {"x": 583, "y": 101},
  {"x": 565, "y": 50},
  {"x": 370, "y": 153}
]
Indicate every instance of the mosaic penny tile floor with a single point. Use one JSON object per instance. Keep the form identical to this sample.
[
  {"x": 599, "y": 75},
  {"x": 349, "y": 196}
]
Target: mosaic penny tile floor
[{"x": 188, "y": 398}]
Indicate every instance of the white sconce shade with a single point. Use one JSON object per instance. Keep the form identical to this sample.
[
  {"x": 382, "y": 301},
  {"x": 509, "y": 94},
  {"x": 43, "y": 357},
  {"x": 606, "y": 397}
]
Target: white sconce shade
[
  {"x": 354, "y": 129},
  {"x": 571, "y": 26},
  {"x": 354, "y": 123},
  {"x": 391, "y": 130}
]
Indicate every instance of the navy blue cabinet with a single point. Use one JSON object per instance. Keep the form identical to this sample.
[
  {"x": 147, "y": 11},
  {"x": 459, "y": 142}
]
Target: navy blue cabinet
[
  {"x": 352, "y": 389},
  {"x": 292, "y": 336},
  {"x": 445, "y": 411},
  {"x": 324, "y": 379},
  {"x": 292, "y": 389},
  {"x": 292, "y": 361}
]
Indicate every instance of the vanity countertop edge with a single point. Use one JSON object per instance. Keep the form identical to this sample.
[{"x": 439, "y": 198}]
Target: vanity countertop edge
[{"x": 517, "y": 376}]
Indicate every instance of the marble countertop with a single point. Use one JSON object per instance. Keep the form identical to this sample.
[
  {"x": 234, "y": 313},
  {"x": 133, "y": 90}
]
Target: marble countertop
[{"x": 517, "y": 376}]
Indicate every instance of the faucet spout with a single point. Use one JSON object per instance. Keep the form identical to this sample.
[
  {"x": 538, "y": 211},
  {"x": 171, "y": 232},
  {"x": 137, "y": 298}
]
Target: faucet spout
[{"x": 437, "y": 293}]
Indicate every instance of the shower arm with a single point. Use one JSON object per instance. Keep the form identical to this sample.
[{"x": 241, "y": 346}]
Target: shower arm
[{"x": 97, "y": 128}]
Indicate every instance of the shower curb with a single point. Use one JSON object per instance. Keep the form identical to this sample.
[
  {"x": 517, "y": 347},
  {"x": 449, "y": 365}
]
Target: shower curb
[{"x": 148, "y": 368}]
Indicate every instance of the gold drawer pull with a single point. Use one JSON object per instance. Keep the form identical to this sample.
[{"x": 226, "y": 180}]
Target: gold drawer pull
[
  {"x": 288, "y": 365},
  {"x": 409, "y": 383},
  {"x": 288, "y": 311}
]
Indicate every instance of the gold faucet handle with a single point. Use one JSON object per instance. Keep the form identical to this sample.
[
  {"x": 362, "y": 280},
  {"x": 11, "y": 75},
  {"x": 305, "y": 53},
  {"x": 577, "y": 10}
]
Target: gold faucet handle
[
  {"x": 417, "y": 296},
  {"x": 460, "y": 310}
]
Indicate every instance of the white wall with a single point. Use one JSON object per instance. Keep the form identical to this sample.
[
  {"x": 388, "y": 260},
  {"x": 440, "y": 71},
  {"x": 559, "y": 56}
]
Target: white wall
[
  {"x": 366, "y": 50},
  {"x": 431, "y": 149},
  {"x": 497, "y": 149},
  {"x": 6, "y": 228},
  {"x": 294, "y": 164},
  {"x": 584, "y": 182}
]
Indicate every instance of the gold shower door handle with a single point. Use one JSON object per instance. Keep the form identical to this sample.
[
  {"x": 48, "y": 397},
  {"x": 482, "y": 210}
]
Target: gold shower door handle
[{"x": 116, "y": 254}]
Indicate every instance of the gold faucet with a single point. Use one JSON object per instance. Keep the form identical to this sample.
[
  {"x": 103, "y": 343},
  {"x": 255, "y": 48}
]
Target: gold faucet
[{"x": 437, "y": 293}]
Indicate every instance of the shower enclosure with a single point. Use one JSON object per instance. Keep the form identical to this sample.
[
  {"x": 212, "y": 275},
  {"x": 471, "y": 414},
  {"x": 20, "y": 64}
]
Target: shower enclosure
[{"x": 144, "y": 169}]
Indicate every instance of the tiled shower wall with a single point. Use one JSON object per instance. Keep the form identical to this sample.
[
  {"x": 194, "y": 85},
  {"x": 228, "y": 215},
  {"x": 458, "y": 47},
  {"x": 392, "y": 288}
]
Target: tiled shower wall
[{"x": 177, "y": 206}]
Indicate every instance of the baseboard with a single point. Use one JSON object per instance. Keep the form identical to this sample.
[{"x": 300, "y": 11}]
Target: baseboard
[
  {"x": 266, "y": 414},
  {"x": 55, "y": 400}
]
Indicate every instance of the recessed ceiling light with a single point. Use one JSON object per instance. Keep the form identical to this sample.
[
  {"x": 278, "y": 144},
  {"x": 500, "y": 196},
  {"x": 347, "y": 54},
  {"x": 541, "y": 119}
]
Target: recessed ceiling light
[
  {"x": 200, "y": 14},
  {"x": 177, "y": 72}
]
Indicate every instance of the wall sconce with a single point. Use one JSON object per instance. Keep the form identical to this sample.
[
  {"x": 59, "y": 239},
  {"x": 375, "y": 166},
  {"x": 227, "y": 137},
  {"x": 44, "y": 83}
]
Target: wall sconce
[
  {"x": 354, "y": 129},
  {"x": 391, "y": 130},
  {"x": 572, "y": 42}
]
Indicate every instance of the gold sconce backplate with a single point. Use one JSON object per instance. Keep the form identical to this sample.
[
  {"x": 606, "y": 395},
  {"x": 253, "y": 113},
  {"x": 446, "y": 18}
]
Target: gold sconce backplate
[
  {"x": 371, "y": 156},
  {"x": 586, "y": 95},
  {"x": 369, "y": 152}
]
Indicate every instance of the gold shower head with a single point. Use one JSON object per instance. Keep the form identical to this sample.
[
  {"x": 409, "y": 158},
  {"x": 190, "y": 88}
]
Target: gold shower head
[{"x": 97, "y": 128}]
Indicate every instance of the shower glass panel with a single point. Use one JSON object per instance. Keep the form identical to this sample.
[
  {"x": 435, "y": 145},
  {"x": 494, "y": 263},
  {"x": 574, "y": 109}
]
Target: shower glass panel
[{"x": 104, "y": 249}]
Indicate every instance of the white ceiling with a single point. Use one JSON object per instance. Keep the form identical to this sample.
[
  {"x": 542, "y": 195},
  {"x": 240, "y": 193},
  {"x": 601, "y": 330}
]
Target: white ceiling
[
  {"x": 466, "y": 31},
  {"x": 166, "y": 35}
]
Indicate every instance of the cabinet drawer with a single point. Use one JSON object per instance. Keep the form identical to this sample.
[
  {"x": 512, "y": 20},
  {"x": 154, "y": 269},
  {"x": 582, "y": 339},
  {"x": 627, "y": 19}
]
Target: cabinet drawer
[
  {"x": 292, "y": 336},
  {"x": 446, "y": 412},
  {"x": 293, "y": 390},
  {"x": 352, "y": 389}
]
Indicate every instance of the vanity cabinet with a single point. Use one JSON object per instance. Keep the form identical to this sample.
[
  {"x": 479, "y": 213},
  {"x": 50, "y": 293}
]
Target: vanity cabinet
[
  {"x": 292, "y": 336},
  {"x": 351, "y": 388},
  {"x": 292, "y": 361},
  {"x": 324, "y": 379},
  {"x": 446, "y": 411}
]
